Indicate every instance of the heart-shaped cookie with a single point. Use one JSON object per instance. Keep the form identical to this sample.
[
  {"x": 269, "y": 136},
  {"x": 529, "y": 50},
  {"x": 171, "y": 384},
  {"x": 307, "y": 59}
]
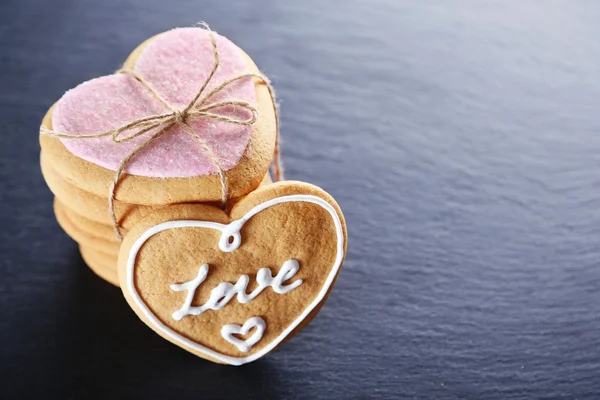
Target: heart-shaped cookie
[
  {"x": 232, "y": 287},
  {"x": 176, "y": 64}
]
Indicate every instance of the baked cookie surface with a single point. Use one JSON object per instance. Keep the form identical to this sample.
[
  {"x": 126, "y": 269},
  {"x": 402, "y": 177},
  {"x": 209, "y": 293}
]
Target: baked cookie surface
[{"x": 232, "y": 287}]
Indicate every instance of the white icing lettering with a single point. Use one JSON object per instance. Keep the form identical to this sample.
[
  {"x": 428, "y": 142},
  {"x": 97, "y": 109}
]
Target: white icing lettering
[
  {"x": 191, "y": 287},
  {"x": 224, "y": 292}
]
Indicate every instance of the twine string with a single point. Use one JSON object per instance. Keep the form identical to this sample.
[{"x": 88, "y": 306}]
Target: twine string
[{"x": 198, "y": 107}]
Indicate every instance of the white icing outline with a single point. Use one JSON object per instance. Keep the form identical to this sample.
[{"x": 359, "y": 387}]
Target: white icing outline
[
  {"x": 233, "y": 229},
  {"x": 227, "y": 331}
]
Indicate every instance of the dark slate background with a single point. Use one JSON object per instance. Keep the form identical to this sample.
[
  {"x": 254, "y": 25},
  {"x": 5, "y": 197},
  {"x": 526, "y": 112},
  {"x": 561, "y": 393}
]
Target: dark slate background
[{"x": 461, "y": 139}]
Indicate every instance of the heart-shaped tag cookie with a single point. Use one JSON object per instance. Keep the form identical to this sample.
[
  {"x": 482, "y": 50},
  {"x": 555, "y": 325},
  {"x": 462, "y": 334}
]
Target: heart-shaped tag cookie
[{"x": 232, "y": 287}]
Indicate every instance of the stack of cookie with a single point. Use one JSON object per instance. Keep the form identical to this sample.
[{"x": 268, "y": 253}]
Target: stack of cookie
[
  {"x": 189, "y": 119},
  {"x": 156, "y": 172}
]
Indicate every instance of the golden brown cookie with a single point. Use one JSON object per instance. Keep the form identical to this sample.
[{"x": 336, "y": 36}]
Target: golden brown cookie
[
  {"x": 101, "y": 264},
  {"x": 95, "y": 208},
  {"x": 89, "y": 227},
  {"x": 81, "y": 237},
  {"x": 244, "y": 177},
  {"x": 232, "y": 287}
]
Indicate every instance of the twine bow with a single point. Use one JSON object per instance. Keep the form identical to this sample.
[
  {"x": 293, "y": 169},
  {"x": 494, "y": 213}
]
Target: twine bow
[{"x": 199, "y": 107}]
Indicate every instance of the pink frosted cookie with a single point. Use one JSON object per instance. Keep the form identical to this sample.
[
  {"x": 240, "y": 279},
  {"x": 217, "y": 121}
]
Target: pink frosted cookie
[{"x": 226, "y": 136}]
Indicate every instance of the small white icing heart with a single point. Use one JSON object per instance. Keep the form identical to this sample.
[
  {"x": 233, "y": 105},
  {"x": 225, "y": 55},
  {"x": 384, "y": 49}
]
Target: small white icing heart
[{"x": 227, "y": 331}]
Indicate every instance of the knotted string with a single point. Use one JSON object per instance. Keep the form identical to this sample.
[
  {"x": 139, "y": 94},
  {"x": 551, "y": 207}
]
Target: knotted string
[{"x": 199, "y": 107}]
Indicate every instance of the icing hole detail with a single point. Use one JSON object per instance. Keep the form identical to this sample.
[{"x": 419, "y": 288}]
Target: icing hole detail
[{"x": 230, "y": 236}]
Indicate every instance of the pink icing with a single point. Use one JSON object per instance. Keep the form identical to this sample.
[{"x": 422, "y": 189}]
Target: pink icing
[{"x": 176, "y": 64}]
